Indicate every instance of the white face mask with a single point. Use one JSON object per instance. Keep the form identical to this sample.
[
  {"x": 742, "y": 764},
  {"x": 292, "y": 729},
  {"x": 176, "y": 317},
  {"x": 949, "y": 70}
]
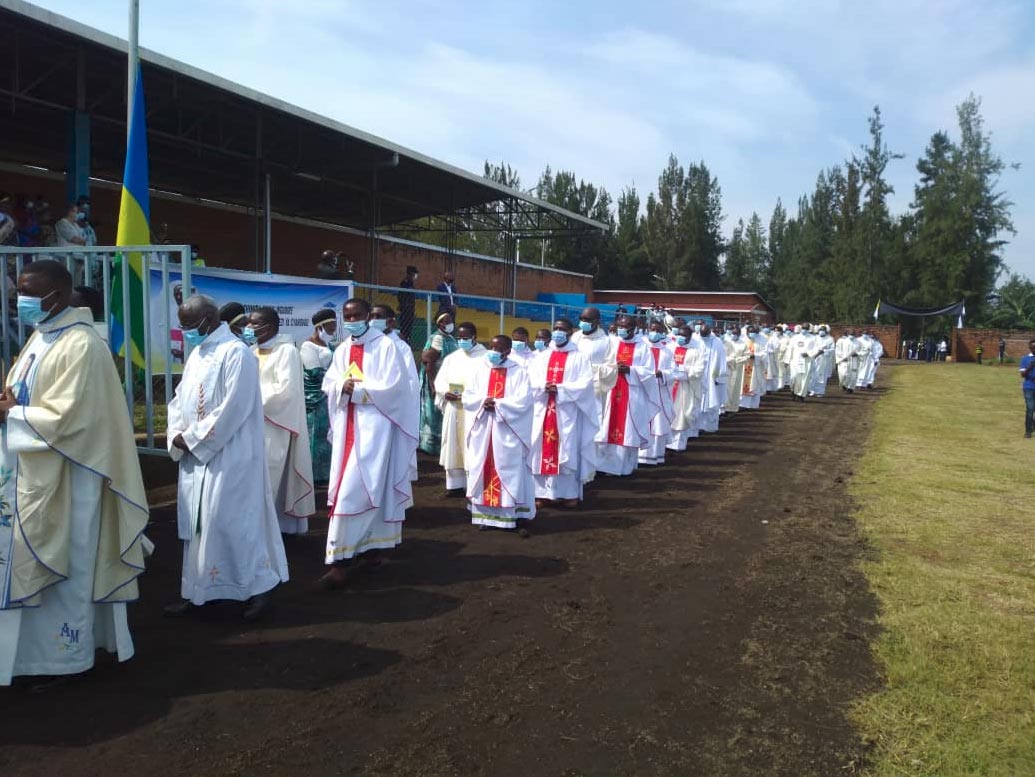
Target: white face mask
[
  {"x": 326, "y": 337},
  {"x": 448, "y": 329}
]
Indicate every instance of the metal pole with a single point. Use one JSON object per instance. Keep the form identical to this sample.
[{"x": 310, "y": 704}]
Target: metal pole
[
  {"x": 134, "y": 60},
  {"x": 553, "y": 315},
  {"x": 18, "y": 264},
  {"x": 148, "y": 388},
  {"x": 269, "y": 228},
  {"x": 7, "y": 321},
  {"x": 106, "y": 286},
  {"x": 429, "y": 326},
  {"x": 127, "y": 336},
  {"x": 503, "y": 320},
  {"x": 166, "y": 329}
]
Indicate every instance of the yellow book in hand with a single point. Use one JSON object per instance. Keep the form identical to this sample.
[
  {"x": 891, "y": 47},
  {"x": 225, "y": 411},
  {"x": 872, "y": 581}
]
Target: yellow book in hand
[{"x": 354, "y": 372}]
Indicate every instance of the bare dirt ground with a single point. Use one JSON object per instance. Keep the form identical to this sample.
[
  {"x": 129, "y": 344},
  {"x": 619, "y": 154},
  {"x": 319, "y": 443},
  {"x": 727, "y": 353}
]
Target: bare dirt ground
[{"x": 707, "y": 617}]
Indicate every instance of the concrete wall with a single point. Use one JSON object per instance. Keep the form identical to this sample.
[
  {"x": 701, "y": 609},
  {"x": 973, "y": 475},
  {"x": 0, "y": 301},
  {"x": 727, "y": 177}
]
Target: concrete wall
[
  {"x": 965, "y": 342},
  {"x": 890, "y": 336}
]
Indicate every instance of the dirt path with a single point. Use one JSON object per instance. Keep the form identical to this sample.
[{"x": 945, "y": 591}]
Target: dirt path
[{"x": 703, "y": 618}]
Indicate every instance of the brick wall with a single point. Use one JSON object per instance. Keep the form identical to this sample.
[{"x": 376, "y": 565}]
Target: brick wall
[
  {"x": 229, "y": 238},
  {"x": 890, "y": 336},
  {"x": 965, "y": 342}
]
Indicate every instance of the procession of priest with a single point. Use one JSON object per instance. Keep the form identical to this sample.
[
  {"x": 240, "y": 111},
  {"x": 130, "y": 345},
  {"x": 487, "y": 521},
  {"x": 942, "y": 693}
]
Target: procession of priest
[{"x": 519, "y": 424}]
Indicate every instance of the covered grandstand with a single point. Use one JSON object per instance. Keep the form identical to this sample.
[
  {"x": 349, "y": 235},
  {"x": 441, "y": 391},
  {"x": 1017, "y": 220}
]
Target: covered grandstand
[{"x": 260, "y": 184}]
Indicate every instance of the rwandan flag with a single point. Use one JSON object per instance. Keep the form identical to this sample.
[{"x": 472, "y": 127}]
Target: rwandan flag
[{"x": 134, "y": 229}]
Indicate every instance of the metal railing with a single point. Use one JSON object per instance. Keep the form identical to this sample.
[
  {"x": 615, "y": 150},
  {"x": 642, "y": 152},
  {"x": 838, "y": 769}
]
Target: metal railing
[
  {"x": 508, "y": 312},
  {"x": 93, "y": 266}
]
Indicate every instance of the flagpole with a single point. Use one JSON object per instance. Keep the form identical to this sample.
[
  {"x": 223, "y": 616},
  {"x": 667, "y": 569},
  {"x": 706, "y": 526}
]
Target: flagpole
[{"x": 134, "y": 59}]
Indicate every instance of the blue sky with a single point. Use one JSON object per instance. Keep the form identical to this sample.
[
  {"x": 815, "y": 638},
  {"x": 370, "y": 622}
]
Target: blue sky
[{"x": 766, "y": 92}]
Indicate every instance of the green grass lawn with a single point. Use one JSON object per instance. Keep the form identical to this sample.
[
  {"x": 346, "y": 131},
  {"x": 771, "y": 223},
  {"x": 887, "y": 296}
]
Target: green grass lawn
[{"x": 946, "y": 491}]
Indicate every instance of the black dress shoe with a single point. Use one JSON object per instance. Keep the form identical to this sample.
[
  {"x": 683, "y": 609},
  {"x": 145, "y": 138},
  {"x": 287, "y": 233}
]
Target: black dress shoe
[
  {"x": 177, "y": 609},
  {"x": 257, "y": 606}
]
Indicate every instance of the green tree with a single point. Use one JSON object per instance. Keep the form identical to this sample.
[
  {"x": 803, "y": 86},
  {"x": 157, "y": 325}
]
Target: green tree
[
  {"x": 736, "y": 274},
  {"x": 1013, "y": 305}
]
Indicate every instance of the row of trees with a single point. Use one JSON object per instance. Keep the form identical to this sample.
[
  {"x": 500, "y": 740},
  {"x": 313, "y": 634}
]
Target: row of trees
[{"x": 830, "y": 257}]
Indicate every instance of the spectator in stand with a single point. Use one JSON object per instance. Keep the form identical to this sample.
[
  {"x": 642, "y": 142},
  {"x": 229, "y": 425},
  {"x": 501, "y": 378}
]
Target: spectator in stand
[
  {"x": 447, "y": 297},
  {"x": 1002, "y": 350},
  {"x": 27, "y": 218},
  {"x": 327, "y": 267},
  {"x": 8, "y": 225},
  {"x": 69, "y": 228},
  {"x": 84, "y": 221},
  {"x": 195, "y": 256},
  {"x": 407, "y": 304}
]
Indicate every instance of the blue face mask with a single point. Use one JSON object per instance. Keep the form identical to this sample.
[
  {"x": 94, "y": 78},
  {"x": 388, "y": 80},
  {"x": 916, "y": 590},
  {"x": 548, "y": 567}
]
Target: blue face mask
[
  {"x": 559, "y": 337},
  {"x": 355, "y": 328},
  {"x": 379, "y": 324},
  {"x": 697, "y": 328},
  {"x": 248, "y": 336},
  {"x": 193, "y": 337},
  {"x": 681, "y": 340},
  {"x": 520, "y": 346},
  {"x": 766, "y": 331},
  {"x": 495, "y": 358},
  {"x": 623, "y": 332},
  {"x": 586, "y": 326},
  {"x": 540, "y": 345},
  {"x": 465, "y": 343},
  {"x": 30, "y": 309},
  {"x": 656, "y": 337}
]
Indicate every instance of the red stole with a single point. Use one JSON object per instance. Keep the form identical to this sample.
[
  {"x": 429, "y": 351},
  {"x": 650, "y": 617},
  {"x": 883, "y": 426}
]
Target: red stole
[
  {"x": 356, "y": 357},
  {"x": 680, "y": 356},
  {"x": 749, "y": 371},
  {"x": 492, "y": 487},
  {"x": 551, "y": 433},
  {"x": 620, "y": 396}
]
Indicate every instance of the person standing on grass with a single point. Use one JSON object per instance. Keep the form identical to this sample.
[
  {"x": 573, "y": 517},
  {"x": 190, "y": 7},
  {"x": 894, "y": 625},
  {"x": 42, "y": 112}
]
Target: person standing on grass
[
  {"x": 232, "y": 548},
  {"x": 1028, "y": 387},
  {"x": 1002, "y": 350},
  {"x": 500, "y": 488},
  {"x": 73, "y": 508}
]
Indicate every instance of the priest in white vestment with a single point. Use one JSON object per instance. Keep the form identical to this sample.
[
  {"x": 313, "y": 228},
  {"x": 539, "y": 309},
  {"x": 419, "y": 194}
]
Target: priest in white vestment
[
  {"x": 628, "y": 384},
  {"x": 783, "y": 357},
  {"x": 738, "y": 354},
  {"x": 232, "y": 547},
  {"x": 878, "y": 352},
  {"x": 824, "y": 361},
  {"x": 498, "y": 400},
  {"x": 772, "y": 373},
  {"x": 689, "y": 360},
  {"x": 653, "y": 453},
  {"x": 866, "y": 353},
  {"x": 453, "y": 377},
  {"x": 802, "y": 350},
  {"x": 715, "y": 379},
  {"x": 288, "y": 452},
  {"x": 372, "y": 412},
  {"x": 522, "y": 350},
  {"x": 383, "y": 319},
  {"x": 74, "y": 509},
  {"x": 846, "y": 352},
  {"x": 564, "y": 419},
  {"x": 756, "y": 369}
]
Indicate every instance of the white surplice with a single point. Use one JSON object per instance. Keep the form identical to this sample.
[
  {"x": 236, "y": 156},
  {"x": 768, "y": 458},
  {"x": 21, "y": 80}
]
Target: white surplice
[
  {"x": 758, "y": 346},
  {"x": 288, "y": 455},
  {"x": 738, "y": 354},
  {"x": 407, "y": 439},
  {"x": 577, "y": 414},
  {"x": 225, "y": 513},
  {"x": 846, "y": 353},
  {"x": 688, "y": 371},
  {"x": 715, "y": 379},
  {"x": 500, "y": 437},
  {"x": 653, "y": 453},
  {"x": 824, "y": 364},
  {"x": 802, "y": 349},
  {"x": 618, "y": 452},
  {"x": 866, "y": 355},
  {"x": 370, "y": 487},
  {"x": 455, "y": 372}
]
